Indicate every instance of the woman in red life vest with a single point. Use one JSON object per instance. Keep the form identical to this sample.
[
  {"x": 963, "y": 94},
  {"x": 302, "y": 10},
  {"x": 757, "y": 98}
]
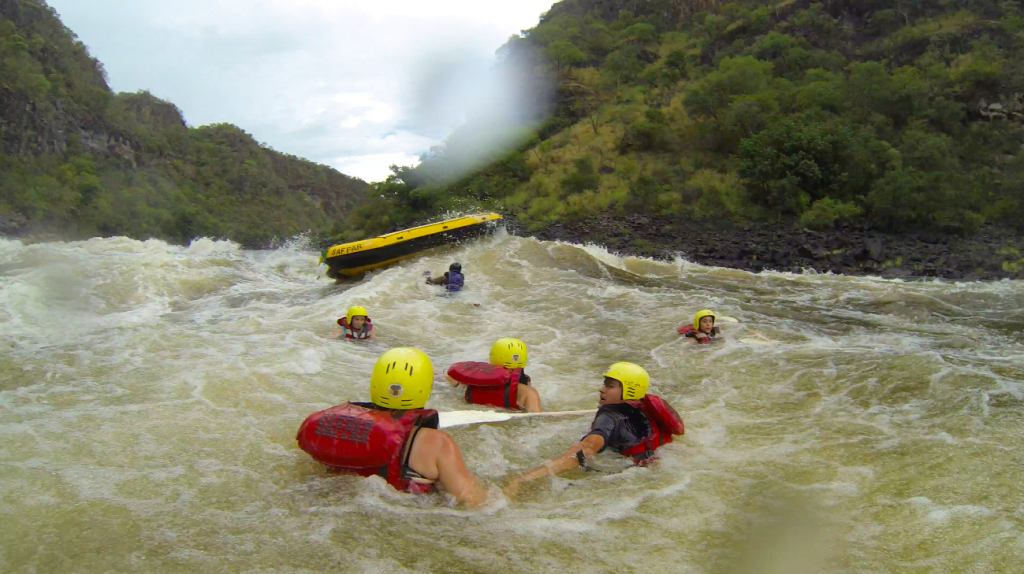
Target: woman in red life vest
[
  {"x": 500, "y": 383},
  {"x": 393, "y": 436},
  {"x": 703, "y": 329},
  {"x": 628, "y": 420},
  {"x": 356, "y": 324}
]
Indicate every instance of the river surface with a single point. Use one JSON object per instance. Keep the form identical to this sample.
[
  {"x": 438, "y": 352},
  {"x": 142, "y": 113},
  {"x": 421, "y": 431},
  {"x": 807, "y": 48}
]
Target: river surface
[{"x": 150, "y": 395}]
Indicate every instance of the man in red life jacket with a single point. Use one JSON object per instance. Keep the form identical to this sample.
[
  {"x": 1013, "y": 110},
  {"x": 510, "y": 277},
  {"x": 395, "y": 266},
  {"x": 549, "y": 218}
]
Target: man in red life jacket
[
  {"x": 393, "y": 436},
  {"x": 628, "y": 420},
  {"x": 500, "y": 383},
  {"x": 356, "y": 324}
]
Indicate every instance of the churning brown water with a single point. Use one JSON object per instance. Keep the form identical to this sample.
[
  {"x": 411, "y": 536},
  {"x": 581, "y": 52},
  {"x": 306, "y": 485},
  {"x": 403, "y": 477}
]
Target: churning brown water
[{"x": 150, "y": 394}]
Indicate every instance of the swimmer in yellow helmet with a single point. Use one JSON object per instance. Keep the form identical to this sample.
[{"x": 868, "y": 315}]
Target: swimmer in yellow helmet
[
  {"x": 356, "y": 324},
  {"x": 500, "y": 383},
  {"x": 703, "y": 330},
  {"x": 629, "y": 420},
  {"x": 393, "y": 436}
]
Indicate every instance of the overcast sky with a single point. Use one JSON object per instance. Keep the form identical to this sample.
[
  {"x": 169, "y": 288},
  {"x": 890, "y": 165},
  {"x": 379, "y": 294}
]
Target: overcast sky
[{"x": 338, "y": 82}]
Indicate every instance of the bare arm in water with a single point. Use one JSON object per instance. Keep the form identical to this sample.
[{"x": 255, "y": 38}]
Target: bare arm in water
[
  {"x": 590, "y": 445},
  {"x": 436, "y": 456},
  {"x": 528, "y": 398}
]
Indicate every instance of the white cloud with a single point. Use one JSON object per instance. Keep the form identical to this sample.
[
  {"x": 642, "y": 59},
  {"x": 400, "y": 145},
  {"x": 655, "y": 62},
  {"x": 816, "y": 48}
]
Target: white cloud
[
  {"x": 339, "y": 82},
  {"x": 372, "y": 162}
]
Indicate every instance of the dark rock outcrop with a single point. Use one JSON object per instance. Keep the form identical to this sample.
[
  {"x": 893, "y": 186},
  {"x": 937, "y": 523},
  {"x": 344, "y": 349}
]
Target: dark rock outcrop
[{"x": 993, "y": 253}]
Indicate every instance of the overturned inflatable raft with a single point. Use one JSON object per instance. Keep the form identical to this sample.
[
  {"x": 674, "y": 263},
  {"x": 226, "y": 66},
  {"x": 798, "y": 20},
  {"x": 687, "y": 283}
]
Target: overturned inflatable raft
[{"x": 358, "y": 257}]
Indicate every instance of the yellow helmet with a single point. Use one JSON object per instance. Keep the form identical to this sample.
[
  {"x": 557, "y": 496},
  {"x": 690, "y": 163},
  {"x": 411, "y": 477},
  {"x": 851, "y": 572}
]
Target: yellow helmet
[
  {"x": 633, "y": 377},
  {"x": 701, "y": 314},
  {"x": 509, "y": 353},
  {"x": 355, "y": 312},
  {"x": 402, "y": 379}
]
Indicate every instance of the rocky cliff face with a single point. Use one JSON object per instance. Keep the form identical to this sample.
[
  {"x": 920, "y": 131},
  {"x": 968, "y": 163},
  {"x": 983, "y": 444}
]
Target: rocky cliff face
[
  {"x": 41, "y": 128},
  {"x": 73, "y": 155},
  {"x": 51, "y": 89}
]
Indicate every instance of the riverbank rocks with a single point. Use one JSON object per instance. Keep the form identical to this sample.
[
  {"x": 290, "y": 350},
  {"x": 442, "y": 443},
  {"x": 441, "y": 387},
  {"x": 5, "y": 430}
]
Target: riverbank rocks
[
  {"x": 11, "y": 225},
  {"x": 992, "y": 253}
]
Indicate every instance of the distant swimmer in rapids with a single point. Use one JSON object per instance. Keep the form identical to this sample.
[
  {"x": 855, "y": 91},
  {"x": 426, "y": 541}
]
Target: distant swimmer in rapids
[
  {"x": 356, "y": 324},
  {"x": 629, "y": 420},
  {"x": 393, "y": 436},
  {"x": 453, "y": 279},
  {"x": 501, "y": 382},
  {"x": 703, "y": 330}
]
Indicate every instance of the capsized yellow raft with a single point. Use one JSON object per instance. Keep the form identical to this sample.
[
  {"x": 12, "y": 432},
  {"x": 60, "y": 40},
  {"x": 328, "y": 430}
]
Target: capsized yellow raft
[{"x": 354, "y": 258}]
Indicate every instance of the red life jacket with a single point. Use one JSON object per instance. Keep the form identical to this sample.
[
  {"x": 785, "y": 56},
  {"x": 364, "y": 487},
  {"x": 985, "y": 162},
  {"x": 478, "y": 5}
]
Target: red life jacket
[
  {"x": 665, "y": 422},
  {"x": 488, "y": 384},
  {"x": 363, "y": 333},
  {"x": 691, "y": 331},
  {"x": 366, "y": 441}
]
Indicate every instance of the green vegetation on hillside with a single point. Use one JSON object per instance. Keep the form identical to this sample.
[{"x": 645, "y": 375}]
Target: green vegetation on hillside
[
  {"x": 79, "y": 160},
  {"x": 906, "y": 114}
]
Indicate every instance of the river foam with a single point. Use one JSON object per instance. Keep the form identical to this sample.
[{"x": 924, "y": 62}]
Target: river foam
[{"x": 150, "y": 395}]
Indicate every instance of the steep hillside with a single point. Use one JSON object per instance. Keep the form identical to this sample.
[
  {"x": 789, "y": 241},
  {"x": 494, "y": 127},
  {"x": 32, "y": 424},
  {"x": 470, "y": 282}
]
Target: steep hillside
[
  {"x": 891, "y": 114},
  {"x": 78, "y": 160}
]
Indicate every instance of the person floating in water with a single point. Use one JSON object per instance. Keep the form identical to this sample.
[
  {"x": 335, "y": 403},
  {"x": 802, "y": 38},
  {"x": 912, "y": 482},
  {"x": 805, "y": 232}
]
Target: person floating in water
[
  {"x": 394, "y": 436},
  {"x": 703, "y": 329},
  {"x": 356, "y": 324},
  {"x": 453, "y": 280},
  {"x": 628, "y": 420},
  {"x": 500, "y": 383}
]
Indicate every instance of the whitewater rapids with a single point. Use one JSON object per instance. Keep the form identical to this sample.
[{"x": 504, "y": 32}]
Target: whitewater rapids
[{"x": 150, "y": 395}]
